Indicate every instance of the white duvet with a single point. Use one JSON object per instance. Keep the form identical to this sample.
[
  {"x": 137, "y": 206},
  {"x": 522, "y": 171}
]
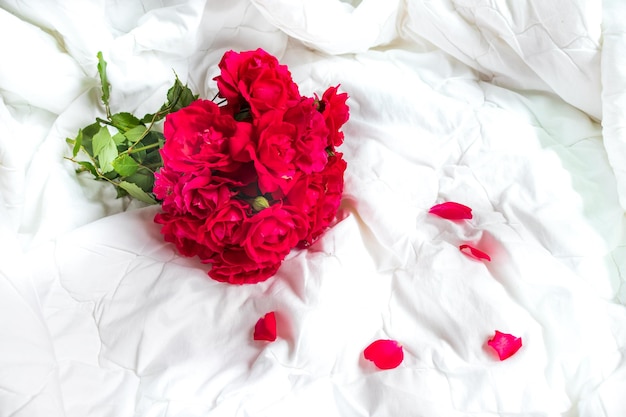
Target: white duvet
[{"x": 516, "y": 109}]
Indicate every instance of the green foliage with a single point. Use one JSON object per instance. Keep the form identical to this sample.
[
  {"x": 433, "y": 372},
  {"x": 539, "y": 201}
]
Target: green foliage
[
  {"x": 123, "y": 149},
  {"x": 104, "y": 82},
  {"x": 104, "y": 149},
  {"x": 135, "y": 191},
  {"x": 125, "y": 165},
  {"x": 124, "y": 121}
]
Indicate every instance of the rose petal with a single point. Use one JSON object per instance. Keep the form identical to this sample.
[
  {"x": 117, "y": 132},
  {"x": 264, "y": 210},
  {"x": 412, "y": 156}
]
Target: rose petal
[
  {"x": 474, "y": 253},
  {"x": 265, "y": 328},
  {"x": 386, "y": 354},
  {"x": 505, "y": 344},
  {"x": 451, "y": 211}
]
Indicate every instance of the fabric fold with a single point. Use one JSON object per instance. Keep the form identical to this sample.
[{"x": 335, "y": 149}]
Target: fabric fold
[
  {"x": 334, "y": 26},
  {"x": 527, "y": 46},
  {"x": 614, "y": 90}
]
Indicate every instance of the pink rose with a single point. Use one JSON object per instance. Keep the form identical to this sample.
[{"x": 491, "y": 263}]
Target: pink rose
[
  {"x": 255, "y": 80},
  {"x": 198, "y": 139}
]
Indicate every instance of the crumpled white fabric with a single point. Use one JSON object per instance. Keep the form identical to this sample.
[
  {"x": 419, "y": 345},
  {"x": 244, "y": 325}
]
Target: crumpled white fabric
[
  {"x": 43, "y": 75},
  {"x": 614, "y": 90},
  {"x": 100, "y": 317},
  {"x": 549, "y": 46},
  {"x": 30, "y": 383},
  {"x": 335, "y": 26}
]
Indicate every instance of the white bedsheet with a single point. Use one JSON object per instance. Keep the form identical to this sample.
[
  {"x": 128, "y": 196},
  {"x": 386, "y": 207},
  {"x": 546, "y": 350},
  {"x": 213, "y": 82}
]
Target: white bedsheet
[{"x": 515, "y": 109}]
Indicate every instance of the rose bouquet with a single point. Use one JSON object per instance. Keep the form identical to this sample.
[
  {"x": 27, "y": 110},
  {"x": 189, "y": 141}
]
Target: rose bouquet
[
  {"x": 246, "y": 180},
  {"x": 241, "y": 181}
]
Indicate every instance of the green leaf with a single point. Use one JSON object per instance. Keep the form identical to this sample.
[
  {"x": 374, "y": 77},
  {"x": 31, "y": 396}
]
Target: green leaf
[
  {"x": 88, "y": 134},
  {"x": 146, "y": 151},
  {"x": 101, "y": 140},
  {"x": 119, "y": 139},
  {"x": 104, "y": 149},
  {"x": 136, "y": 192},
  {"x": 78, "y": 143},
  {"x": 111, "y": 175},
  {"x": 138, "y": 153},
  {"x": 120, "y": 192},
  {"x": 136, "y": 133},
  {"x": 125, "y": 121},
  {"x": 150, "y": 116},
  {"x": 125, "y": 165},
  {"x": 87, "y": 166},
  {"x": 102, "y": 71},
  {"x": 152, "y": 137},
  {"x": 144, "y": 178},
  {"x": 179, "y": 96},
  {"x": 153, "y": 159}
]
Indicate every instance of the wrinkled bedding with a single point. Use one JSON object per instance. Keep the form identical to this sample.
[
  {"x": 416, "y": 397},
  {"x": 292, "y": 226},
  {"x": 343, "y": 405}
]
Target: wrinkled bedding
[{"x": 516, "y": 109}]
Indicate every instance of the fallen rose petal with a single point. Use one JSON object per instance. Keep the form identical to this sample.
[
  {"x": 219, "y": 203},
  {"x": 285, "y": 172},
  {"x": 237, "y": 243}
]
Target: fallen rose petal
[
  {"x": 386, "y": 354},
  {"x": 265, "y": 328},
  {"x": 474, "y": 253},
  {"x": 451, "y": 211},
  {"x": 505, "y": 344}
]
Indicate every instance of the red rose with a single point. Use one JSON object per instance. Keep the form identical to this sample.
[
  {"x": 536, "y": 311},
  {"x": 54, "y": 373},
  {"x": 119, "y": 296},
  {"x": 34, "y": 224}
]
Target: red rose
[
  {"x": 335, "y": 111},
  {"x": 318, "y": 195},
  {"x": 305, "y": 194},
  {"x": 269, "y": 235},
  {"x": 274, "y": 156},
  {"x": 198, "y": 138},
  {"x": 166, "y": 188},
  {"x": 182, "y": 231},
  {"x": 275, "y": 148},
  {"x": 333, "y": 180},
  {"x": 256, "y": 80},
  {"x": 235, "y": 267},
  {"x": 222, "y": 227},
  {"x": 312, "y": 136},
  {"x": 185, "y": 193}
]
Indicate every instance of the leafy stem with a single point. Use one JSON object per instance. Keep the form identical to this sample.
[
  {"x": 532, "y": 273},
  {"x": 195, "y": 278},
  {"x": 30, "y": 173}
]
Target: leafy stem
[
  {"x": 103, "y": 121},
  {"x": 119, "y": 146},
  {"x": 132, "y": 150},
  {"x": 104, "y": 82}
]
